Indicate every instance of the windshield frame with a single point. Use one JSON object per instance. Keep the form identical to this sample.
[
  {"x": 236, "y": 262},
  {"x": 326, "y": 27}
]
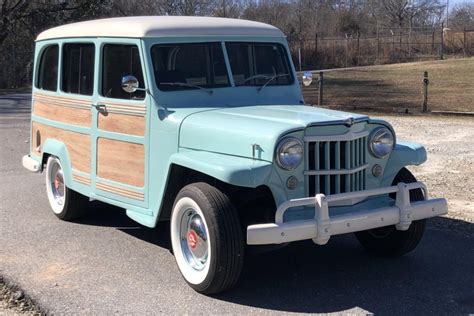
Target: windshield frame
[{"x": 230, "y": 76}]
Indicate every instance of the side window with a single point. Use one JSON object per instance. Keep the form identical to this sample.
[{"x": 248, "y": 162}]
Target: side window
[
  {"x": 48, "y": 69},
  {"x": 120, "y": 61},
  {"x": 78, "y": 68}
]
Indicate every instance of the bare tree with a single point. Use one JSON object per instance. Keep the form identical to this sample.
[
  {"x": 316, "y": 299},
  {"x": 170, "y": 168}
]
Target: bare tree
[{"x": 462, "y": 17}]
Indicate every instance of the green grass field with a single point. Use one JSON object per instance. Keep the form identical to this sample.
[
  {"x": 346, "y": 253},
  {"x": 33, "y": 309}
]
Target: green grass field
[{"x": 394, "y": 88}]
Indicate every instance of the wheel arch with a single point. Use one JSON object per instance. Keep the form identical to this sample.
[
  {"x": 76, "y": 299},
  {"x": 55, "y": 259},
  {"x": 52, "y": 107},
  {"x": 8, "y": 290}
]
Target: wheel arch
[
  {"x": 179, "y": 176},
  {"x": 53, "y": 147},
  {"x": 404, "y": 154}
]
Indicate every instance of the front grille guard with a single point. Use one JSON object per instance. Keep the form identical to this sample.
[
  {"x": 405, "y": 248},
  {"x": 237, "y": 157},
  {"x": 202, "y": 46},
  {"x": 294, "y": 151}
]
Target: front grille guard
[
  {"x": 321, "y": 203},
  {"x": 323, "y": 226}
]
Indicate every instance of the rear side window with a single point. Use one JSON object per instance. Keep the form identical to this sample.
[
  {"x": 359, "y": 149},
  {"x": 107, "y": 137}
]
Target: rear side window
[
  {"x": 48, "y": 69},
  {"x": 120, "y": 61},
  {"x": 78, "y": 68}
]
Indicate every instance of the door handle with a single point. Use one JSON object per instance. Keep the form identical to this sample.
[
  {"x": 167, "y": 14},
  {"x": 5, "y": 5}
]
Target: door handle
[{"x": 100, "y": 107}]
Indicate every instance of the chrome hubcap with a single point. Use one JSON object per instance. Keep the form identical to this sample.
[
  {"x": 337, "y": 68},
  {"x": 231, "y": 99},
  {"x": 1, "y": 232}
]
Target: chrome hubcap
[
  {"x": 194, "y": 239},
  {"x": 57, "y": 184}
]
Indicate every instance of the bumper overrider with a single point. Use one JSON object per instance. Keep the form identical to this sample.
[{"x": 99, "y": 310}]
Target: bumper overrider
[{"x": 323, "y": 226}]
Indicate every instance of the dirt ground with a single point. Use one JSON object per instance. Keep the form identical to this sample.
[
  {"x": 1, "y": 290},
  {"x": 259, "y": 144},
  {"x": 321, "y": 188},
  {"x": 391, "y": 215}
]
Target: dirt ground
[
  {"x": 449, "y": 171},
  {"x": 394, "y": 88}
]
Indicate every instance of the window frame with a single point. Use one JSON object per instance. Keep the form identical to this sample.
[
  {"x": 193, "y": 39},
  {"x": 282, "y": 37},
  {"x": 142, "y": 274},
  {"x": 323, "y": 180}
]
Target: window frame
[
  {"x": 62, "y": 60},
  {"x": 101, "y": 68},
  {"x": 39, "y": 66}
]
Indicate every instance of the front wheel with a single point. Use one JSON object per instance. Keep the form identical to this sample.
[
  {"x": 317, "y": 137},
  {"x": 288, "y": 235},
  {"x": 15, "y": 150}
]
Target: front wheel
[
  {"x": 388, "y": 241},
  {"x": 207, "y": 239}
]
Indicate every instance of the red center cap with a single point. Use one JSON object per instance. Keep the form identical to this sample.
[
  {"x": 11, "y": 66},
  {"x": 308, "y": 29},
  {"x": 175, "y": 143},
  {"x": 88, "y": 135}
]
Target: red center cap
[
  {"x": 192, "y": 239},
  {"x": 56, "y": 183}
]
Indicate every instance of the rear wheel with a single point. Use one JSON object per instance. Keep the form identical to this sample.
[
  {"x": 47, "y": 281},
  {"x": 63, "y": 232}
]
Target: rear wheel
[
  {"x": 65, "y": 203},
  {"x": 207, "y": 239},
  {"x": 388, "y": 241}
]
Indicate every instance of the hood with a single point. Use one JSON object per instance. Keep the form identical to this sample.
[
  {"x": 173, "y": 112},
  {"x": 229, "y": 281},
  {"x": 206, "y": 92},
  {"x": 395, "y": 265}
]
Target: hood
[{"x": 233, "y": 131}]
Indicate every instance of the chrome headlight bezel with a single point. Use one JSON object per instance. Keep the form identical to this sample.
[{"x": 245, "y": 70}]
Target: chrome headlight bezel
[
  {"x": 285, "y": 144},
  {"x": 381, "y": 142}
]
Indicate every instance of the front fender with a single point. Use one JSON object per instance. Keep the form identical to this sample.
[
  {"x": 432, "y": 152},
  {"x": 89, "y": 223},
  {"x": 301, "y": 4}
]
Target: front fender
[
  {"x": 404, "y": 154},
  {"x": 58, "y": 149},
  {"x": 233, "y": 170}
]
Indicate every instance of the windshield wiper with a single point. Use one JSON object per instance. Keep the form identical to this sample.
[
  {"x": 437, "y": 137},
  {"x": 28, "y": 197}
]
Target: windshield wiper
[
  {"x": 251, "y": 78},
  {"x": 270, "y": 80},
  {"x": 182, "y": 84}
]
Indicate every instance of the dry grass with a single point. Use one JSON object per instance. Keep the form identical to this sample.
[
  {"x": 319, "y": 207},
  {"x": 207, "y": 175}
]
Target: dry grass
[{"x": 399, "y": 86}]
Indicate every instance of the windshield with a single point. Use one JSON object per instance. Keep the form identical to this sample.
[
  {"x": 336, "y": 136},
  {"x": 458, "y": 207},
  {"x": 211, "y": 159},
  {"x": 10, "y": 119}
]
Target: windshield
[
  {"x": 189, "y": 66},
  {"x": 202, "y": 65},
  {"x": 255, "y": 63}
]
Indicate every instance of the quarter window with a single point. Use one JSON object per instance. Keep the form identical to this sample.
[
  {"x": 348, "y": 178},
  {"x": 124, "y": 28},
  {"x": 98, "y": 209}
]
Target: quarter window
[
  {"x": 78, "y": 68},
  {"x": 120, "y": 61},
  {"x": 48, "y": 69}
]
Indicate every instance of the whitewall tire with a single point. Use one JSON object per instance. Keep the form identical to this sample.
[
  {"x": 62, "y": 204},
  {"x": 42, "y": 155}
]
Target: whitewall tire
[
  {"x": 206, "y": 238},
  {"x": 65, "y": 203}
]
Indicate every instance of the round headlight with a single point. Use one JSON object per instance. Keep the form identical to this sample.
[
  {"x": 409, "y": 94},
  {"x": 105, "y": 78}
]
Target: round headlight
[
  {"x": 381, "y": 142},
  {"x": 289, "y": 153}
]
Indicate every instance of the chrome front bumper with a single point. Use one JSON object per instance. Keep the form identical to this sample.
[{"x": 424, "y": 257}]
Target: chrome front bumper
[{"x": 323, "y": 226}]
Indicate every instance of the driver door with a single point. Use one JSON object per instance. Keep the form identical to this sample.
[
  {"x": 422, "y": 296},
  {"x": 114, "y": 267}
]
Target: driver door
[{"x": 120, "y": 131}]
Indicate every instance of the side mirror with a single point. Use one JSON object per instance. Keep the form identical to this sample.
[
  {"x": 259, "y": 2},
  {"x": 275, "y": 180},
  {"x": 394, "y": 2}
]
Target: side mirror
[
  {"x": 130, "y": 83},
  {"x": 307, "y": 78}
]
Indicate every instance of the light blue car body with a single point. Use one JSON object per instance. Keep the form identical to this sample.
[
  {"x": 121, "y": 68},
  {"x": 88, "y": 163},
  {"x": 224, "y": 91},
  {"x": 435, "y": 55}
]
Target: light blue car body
[{"x": 215, "y": 135}]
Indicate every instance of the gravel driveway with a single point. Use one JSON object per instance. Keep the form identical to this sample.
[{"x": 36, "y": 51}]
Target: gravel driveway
[
  {"x": 106, "y": 263},
  {"x": 449, "y": 171}
]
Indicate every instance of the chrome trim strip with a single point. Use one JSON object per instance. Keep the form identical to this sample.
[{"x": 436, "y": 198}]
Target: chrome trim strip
[
  {"x": 335, "y": 171},
  {"x": 340, "y": 122},
  {"x": 335, "y": 138}
]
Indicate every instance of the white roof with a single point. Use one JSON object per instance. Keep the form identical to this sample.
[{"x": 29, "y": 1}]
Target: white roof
[{"x": 161, "y": 26}]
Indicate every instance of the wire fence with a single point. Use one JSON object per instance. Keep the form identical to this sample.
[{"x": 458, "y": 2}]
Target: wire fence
[
  {"x": 410, "y": 88},
  {"x": 386, "y": 46}
]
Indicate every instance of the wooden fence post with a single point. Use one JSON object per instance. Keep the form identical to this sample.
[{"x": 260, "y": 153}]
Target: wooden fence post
[
  {"x": 465, "y": 43},
  {"x": 316, "y": 44},
  {"x": 426, "y": 82},
  {"x": 378, "y": 42},
  {"x": 441, "y": 49},
  {"x": 321, "y": 83},
  {"x": 358, "y": 48}
]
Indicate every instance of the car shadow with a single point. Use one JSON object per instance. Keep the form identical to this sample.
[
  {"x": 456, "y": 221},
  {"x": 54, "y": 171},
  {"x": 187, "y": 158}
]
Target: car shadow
[{"x": 302, "y": 277}]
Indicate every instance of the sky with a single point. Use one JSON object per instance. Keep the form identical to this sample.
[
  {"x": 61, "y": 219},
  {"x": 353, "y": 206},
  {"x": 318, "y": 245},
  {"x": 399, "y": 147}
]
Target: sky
[{"x": 452, "y": 3}]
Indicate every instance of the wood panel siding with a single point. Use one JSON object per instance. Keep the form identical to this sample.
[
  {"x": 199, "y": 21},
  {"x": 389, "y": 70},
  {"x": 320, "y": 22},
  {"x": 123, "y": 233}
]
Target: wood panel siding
[
  {"x": 81, "y": 179},
  {"x": 78, "y": 145},
  {"x": 124, "y": 108},
  {"x": 121, "y": 161},
  {"x": 119, "y": 191},
  {"x": 121, "y": 123},
  {"x": 63, "y": 109},
  {"x": 63, "y": 114}
]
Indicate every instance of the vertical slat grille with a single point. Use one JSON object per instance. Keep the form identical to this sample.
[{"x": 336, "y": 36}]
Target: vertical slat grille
[{"x": 336, "y": 166}]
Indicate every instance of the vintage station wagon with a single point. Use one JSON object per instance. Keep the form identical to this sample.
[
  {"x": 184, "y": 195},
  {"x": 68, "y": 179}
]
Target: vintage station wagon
[{"x": 201, "y": 122}]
